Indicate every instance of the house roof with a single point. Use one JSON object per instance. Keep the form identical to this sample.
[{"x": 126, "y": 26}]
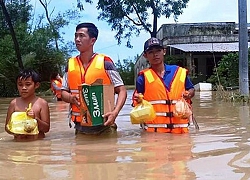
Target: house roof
[{"x": 208, "y": 47}]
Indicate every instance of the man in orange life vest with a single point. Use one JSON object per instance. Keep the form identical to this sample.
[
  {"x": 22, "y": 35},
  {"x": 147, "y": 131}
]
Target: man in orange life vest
[
  {"x": 87, "y": 68},
  {"x": 162, "y": 85},
  {"x": 56, "y": 85}
]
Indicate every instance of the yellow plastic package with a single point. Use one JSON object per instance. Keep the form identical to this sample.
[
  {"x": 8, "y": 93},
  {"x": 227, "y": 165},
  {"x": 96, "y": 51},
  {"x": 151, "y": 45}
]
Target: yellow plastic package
[
  {"x": 20, "y": 123},
  {"x": 142, "y": 112},
  {"x": 182, "y": 109}
]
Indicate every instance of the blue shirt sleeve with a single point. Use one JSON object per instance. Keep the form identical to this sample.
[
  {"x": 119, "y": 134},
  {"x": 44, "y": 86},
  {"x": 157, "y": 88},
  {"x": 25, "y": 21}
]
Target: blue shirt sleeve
[
  {"x": 188, "y": 84},
  {"x": 140, "y": 85}
]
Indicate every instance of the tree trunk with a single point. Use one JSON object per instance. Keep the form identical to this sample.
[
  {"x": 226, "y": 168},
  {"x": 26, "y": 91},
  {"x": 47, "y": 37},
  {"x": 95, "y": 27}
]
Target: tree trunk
[{"x": 13, "y": 35}]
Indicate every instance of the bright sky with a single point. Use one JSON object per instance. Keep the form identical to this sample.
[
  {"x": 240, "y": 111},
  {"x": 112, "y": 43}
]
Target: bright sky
[{"x": 197, "y": 11}]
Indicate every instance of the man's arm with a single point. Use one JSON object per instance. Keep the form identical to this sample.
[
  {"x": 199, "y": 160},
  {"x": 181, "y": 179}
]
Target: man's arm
[
  {"x": 190, "y": 91},
  {"x": 66, "y": 95},
  {"x": 122, "y": 96},
  {"x": 139, "y": 89},
  {"x": 69, "y": 98},
  {"x": 119, "y": 89},
  {"x": 121, "y": 99},
  {"x": 55, "y": 86},
  {"x": 65, "y": 89}
]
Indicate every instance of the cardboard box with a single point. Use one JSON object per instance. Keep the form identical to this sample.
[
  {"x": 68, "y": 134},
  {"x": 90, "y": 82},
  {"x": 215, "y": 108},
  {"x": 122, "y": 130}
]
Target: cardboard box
[{"x": 97, "y": 99}]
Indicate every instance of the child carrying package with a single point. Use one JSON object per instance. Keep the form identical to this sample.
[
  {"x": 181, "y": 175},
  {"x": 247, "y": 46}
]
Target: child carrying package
[{"x": 21, "y": 123}]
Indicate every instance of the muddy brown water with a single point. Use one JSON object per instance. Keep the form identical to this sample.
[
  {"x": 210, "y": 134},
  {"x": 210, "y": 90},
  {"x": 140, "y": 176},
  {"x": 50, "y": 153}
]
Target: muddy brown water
[{"x": 218, "y": 151}]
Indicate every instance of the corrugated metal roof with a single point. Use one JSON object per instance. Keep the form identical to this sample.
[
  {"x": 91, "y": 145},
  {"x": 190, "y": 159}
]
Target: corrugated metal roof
[{"x": 208, "y": 47}]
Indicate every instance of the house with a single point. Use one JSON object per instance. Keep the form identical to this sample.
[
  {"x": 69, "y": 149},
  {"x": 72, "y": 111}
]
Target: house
[{"x": 200, "y": 46}]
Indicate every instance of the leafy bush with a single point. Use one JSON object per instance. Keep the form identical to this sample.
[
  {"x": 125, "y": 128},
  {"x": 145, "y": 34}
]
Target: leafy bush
[{"x": 227, "y": 72}]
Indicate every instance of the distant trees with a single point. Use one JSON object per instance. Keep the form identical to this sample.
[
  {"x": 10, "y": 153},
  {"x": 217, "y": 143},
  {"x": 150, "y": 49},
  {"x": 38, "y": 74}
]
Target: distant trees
[
  {"x": 30, "y": 43},
  {"x": 126, "y": 70},
  {"x": 10, "y": 19}
]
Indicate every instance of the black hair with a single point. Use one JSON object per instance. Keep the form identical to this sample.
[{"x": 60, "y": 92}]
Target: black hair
[
  {"x": 53, "y": 75},
  {"x": 26, "y": 73},
  {"x": 92, "y": 29}
]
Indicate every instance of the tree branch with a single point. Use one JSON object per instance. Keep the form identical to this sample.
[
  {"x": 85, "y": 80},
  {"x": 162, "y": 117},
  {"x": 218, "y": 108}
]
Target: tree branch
[
  {"x": 45, "y": 5},
  {"x": 140, "y": 20}
]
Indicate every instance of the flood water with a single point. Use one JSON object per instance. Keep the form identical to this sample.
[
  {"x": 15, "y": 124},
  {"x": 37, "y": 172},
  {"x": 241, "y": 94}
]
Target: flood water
[{"x": 218, "y": 151}]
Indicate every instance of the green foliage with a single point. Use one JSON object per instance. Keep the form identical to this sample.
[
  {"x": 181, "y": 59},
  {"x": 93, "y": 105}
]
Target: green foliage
[
  {"x": 80, "y": 4},
  {"x": 19, "y": 11},
  {"x": 37, "y": 41},
  {"x": 227, "y": 72},
  {"x": 129, "y": 17},
  {"x": 174, "y": 60},
  {"x": 126, "y": 70}
]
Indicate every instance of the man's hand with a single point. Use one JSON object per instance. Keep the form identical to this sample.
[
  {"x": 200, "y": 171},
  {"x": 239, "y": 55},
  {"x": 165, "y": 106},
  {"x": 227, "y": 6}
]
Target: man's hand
[
  {"x": 186, "y": 95},
  {"x": 109, "y": 118},
  {"x": 137, "y": 97},
  {"x": 189, "y": 94},
  {"x": 74, "y": 99}
]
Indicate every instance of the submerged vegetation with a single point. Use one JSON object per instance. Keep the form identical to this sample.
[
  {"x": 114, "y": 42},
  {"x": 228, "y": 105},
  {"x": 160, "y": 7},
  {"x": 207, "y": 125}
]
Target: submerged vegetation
[{"x": 225, "y": 78}]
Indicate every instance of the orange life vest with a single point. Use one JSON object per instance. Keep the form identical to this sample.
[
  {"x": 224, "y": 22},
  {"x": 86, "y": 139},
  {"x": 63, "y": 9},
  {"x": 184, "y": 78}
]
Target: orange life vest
[
  {"x": 77, "y": 75},
  {"x": 57, "y": 93},
  {"x": 164, "y": 101}
]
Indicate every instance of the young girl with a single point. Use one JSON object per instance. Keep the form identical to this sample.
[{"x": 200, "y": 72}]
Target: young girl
[{"x": 27, "y": 82}]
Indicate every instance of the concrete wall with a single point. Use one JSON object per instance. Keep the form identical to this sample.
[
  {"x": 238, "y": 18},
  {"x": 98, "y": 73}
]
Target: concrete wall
[
  {"x": 198, "y": 32},
  {"x": 197, "y": 29}
]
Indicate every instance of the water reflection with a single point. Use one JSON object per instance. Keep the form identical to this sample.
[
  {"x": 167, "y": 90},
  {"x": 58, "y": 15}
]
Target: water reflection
[
  {"x": 205, "y": 98},
  {"x": 219, "y": 150},
  {"x": 241, "y": 160}
]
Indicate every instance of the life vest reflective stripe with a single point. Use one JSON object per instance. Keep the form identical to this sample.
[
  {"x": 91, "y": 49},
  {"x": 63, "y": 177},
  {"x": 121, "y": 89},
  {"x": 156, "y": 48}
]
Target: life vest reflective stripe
[
  {"x": 166, "y": 114},
  {"x": 75, "y": 113},
  {"x": 166, "y": 125},
  {"x": 74, "y": 90},
  {"x": 164, "y": 101},
  {"x": 169, "y": 102},
  {"x": 77, "y": 75}
]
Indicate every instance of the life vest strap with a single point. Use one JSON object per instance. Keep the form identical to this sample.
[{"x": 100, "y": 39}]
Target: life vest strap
[
  {"x": 170, "y": 126},
  {"x": 75, "y": 113},
  {"x": 165, "y": 114},
  {"x": 74, "y": 91},
  {"x": 168, "y": 102}
]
